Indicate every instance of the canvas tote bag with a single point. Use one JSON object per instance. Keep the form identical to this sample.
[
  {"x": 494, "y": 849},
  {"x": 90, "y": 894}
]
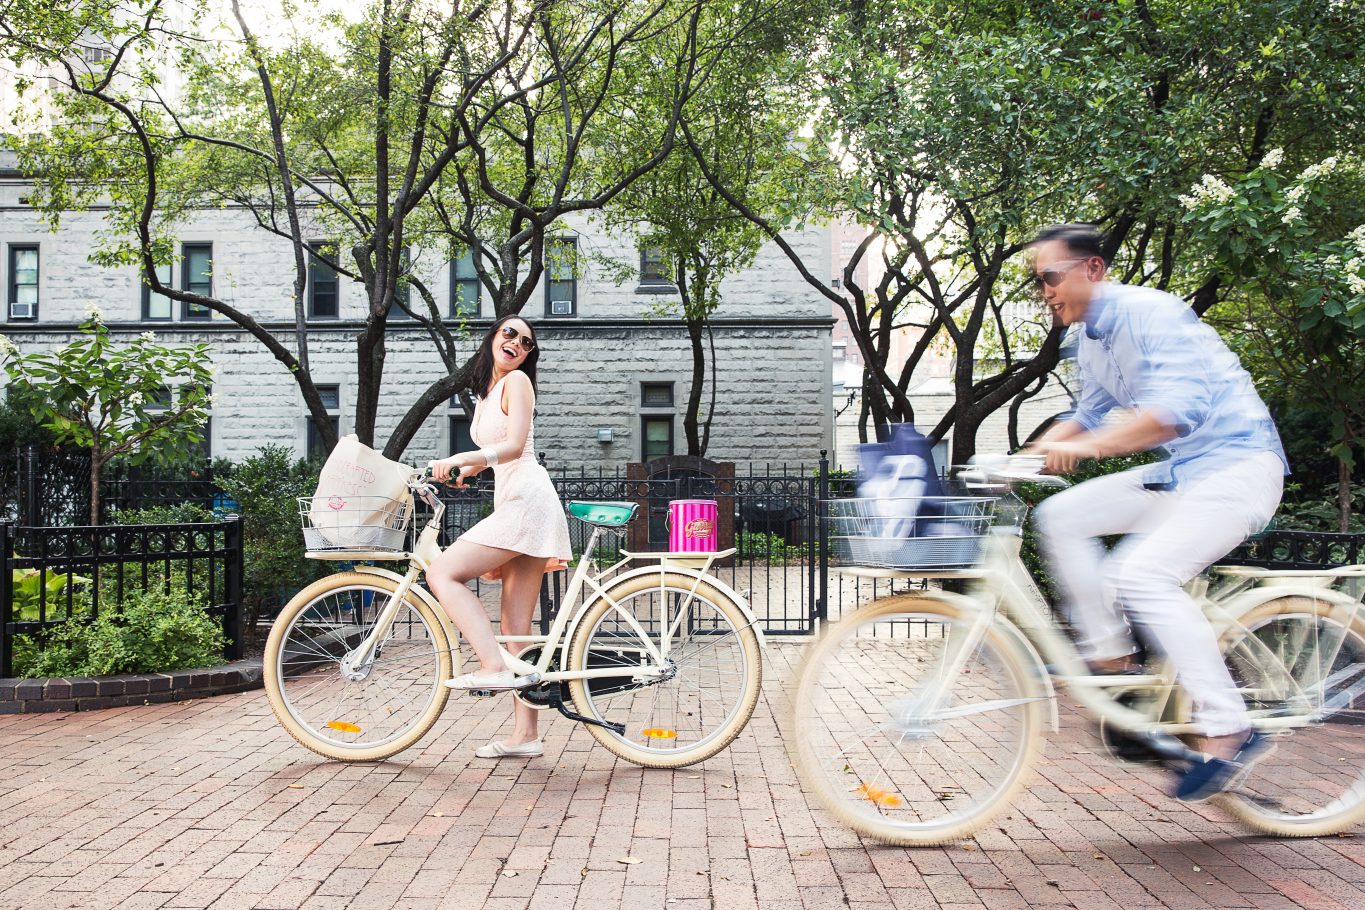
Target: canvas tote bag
[{"x": 360, "y": 496}]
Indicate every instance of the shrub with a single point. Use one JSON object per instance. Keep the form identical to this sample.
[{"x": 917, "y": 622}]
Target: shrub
[
  {"x": 177, "y": 513},
  {"x": 266, "y": 487},
  {"x": 157, "y": 630},
  {"x": 763, "y": 545}
]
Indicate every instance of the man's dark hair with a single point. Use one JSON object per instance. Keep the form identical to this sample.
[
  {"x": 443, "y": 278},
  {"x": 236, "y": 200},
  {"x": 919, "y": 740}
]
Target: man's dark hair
[{"x": 1082, "y": 240}]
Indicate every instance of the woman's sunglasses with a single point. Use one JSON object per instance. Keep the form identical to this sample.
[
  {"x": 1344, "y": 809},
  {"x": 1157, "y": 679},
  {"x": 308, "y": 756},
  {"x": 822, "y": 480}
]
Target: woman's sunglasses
[
  {"x": 1053, "y": 275},
  {"x": 528, "y": 344}
]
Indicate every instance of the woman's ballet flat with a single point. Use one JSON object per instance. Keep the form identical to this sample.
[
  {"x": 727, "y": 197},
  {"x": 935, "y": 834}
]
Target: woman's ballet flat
[
  {"x": 500, "y": 750},
  {"x": 502, "y": 681}
]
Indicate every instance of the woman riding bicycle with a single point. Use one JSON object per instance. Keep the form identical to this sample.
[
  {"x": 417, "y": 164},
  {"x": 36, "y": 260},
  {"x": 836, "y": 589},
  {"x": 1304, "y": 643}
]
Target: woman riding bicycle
[{"x": 525, "y": 533}]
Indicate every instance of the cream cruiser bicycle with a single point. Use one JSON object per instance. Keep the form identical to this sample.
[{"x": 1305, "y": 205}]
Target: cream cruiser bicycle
[
  {"x": 917, "y": 718},
  {"x": 660, "y": 661}
]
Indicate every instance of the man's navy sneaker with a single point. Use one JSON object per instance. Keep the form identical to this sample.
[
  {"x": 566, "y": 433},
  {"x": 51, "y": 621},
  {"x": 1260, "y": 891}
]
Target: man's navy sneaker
[{"x": 1209, "y": 778}]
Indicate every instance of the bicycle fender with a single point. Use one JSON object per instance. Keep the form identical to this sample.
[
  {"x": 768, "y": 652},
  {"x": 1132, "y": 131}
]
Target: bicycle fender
[
  {"x": 1037, "y": 666},
  {"x": 423, "y": 593},
  {"x": 712, "y": 580},
  {"x": 1252, "y": 598}
]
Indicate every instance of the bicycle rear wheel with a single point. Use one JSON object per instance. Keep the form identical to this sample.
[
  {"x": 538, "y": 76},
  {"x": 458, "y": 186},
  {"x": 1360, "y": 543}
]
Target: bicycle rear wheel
[
  {"x": 369, "y": 715},
  {"x": 896, "y": 750},
  {"x": 1300, "y": 664},
  {"x": 685, "y": 708}
]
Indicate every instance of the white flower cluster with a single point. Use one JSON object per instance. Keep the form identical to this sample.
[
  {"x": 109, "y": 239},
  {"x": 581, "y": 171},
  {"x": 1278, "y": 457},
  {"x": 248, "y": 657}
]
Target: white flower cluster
[
  {"x": 1272, "y": 159},
  {"x": 149, "y": 337},
  {"x": 136, "y": 399},
  {"x": 1296, "y": 194},
  {"x": 1323, "y": 168},
  {"x": 1357, "y": 238},
  {"x": 1210, "y": 188},
  {"x": 7, "y": 347},
  {"x": 1292, "y": 214},
  {"x": 93, "y": 312}
]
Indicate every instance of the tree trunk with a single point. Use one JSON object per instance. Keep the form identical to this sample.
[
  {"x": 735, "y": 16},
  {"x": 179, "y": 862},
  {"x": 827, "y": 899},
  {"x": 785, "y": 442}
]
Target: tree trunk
[
  {"x": 1343, "y": 495},
  {"x": 95, "y": 467},
  {"x": 692, "y": 417}
]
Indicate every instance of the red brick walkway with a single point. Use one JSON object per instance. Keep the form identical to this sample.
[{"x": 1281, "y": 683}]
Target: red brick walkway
[{"x": 209, "y": 804}]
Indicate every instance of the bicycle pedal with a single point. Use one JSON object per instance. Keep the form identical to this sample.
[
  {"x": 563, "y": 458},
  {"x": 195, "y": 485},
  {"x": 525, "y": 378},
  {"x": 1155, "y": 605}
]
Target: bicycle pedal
[{"x": 481, "y": 693}]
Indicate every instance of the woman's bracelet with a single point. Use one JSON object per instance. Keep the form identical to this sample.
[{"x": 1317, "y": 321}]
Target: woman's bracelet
[{"x": 490, "y": 456}]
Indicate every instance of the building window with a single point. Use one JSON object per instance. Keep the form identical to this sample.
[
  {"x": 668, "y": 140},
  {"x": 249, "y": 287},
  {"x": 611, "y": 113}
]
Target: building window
[
  {"x": 196, "y": 277},
  {"x": 656, "y": 394},
  {"x": 464, "y": 287},
  {"x": 654, "y": 270},
  {"x": 23, "y": 282},
  {"x": 323, "y": 290},
  {"x": 331, "y": 400},
  {"x": 157, "y": 307},
  {"x": 460, "y": 438},
  {"x": 657, "y": 436},
  {"x": 561, "y": 285},
  {"x": 160, "y": 399},
  {"x": 97, "y": 54}
]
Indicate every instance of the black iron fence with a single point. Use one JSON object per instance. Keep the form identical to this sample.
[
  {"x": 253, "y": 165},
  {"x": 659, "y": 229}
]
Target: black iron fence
[
  {"x": 42, "y": 487},
  {"x": 49, "y": 575},
  {"x": 772, "y": 515}
]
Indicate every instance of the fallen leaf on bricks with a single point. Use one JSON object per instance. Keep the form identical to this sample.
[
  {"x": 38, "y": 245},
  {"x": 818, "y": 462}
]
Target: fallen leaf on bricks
[
  {"x": 509, "y": 873},
  {"x": 438, "y": 815},
  {"x": 629, "y": 860},
  {"x": 296, "y": 786}
]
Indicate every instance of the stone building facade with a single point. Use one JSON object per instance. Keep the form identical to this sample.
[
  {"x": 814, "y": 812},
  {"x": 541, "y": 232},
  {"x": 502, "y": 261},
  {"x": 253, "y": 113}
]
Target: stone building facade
[{"x": 612, "y": 372}]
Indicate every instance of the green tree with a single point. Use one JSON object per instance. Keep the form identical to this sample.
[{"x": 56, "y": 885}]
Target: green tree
[
  {"x": 394, "y": 126},
  {"x": 1293, "y": 253},
  {"x": 742, "y": 121},
  {"x": 960, "y": 128},
  {"x": 139, "y": 402}
]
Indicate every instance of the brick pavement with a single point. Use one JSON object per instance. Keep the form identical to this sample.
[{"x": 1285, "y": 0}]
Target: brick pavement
[{"x": 208, "y": 804}]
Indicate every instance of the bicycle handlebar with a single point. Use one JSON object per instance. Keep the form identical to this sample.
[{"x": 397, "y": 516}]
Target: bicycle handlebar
[{"x": 996, "y": 470}]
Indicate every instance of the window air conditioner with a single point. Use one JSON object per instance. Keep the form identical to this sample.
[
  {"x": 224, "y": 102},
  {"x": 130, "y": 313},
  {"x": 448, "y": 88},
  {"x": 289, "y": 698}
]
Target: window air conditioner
[
  {"x": 20, "y": 310},
  {"x": 561, "y": 307}
]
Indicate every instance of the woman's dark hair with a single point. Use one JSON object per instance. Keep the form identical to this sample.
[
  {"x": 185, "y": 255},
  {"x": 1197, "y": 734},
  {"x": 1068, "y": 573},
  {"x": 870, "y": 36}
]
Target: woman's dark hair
[
  {"x": 482, "y": 373},
  {"x": 1083, "y": 240}
]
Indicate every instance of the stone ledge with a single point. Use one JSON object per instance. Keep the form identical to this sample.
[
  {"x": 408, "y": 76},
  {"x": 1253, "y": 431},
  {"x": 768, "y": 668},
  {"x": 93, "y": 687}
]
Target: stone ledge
[{"x": 33, "y": 696}]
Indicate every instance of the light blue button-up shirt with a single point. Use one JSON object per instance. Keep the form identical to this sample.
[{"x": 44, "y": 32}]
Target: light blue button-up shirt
[{"x": 1143, "y": 348}]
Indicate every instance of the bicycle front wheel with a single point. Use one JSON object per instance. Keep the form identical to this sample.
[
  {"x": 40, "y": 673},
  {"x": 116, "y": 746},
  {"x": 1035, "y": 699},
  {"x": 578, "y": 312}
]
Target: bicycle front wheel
[
  {"x": 900, "y": 750},
  {"x": 364, "y": 713},
  {"x": 1299, "y": 663},
  {"x": 682, "y": 670}
]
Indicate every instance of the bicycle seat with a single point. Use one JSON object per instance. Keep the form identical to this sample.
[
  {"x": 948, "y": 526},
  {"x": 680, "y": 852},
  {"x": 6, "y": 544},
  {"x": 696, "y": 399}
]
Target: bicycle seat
[{"x": 603, "y": 514}]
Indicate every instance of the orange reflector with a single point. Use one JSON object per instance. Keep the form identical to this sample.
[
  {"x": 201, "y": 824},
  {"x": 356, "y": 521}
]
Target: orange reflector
[
  {"x": 658, "y": 733},
  {"x": 343, "y": 726},
  {"x": 877, "y": 797}
]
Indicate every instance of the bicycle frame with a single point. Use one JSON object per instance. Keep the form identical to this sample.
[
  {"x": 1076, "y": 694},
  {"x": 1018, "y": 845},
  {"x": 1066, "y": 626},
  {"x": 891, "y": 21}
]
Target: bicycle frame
[
  {"x": 557, "y": 639},
  {"x": 1003, "y": 589}
]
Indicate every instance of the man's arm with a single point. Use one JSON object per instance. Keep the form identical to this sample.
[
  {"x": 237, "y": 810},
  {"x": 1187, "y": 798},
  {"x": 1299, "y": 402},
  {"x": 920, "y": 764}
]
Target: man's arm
[{"x": 1147, "y": 429}]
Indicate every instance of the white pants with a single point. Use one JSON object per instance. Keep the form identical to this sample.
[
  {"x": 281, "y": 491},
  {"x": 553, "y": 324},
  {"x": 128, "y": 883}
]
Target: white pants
[{"x": 1172, "y": 537}]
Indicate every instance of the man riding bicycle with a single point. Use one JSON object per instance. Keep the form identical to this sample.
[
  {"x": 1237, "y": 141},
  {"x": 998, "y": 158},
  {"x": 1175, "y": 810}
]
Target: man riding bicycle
[{"x": 1144, "y": 350}]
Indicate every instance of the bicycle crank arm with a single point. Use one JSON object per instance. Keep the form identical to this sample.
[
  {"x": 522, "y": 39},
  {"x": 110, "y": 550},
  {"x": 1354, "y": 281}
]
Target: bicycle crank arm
[
  {"x": 1167, "y": 746},
  {"x": 618, "y": 729}
]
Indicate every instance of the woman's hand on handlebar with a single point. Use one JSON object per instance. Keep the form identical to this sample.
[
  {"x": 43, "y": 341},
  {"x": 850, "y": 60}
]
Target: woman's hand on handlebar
[{"x": 442, "y": 469}]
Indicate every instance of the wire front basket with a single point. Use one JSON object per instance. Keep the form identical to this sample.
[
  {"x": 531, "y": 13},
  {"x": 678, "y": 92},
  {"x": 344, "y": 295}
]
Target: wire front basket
[
  {"x": 900, "y": 532},
  {"x": 338, "y": 525}
]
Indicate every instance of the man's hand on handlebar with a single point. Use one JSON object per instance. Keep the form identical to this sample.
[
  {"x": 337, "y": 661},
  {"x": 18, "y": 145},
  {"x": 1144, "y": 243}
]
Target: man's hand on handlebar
[{"x": 1063, "y": 456}]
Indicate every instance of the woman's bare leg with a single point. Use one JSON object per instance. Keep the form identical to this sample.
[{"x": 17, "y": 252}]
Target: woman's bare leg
[
  {"x": 461, "y": 562},
  {"x": 520, "y": 594}
]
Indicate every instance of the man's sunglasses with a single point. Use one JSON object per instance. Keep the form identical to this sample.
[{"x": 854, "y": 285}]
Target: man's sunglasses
[
  {"x": 1054, "y": 274},
  {"x": 510, "y": 332}
]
